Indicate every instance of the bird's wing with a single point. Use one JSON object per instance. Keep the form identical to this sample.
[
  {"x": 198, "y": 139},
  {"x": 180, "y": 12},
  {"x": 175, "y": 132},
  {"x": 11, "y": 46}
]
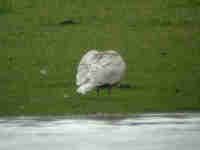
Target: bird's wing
[
  {"x": 81, "y": 76},
  {"x": 108, "y": 70},
  {"x": 83, "y": 70}
]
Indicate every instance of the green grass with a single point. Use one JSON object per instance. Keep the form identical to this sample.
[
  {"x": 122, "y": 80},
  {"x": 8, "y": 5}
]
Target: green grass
[{"x": 31, "y": 39}]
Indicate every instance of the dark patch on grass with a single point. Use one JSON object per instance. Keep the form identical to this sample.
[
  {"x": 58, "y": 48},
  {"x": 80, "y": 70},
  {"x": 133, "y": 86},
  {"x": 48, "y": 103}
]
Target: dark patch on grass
[
  {"x": 164, "y": 53},
  {"x": 4, "y": 11},
  {"x": 10, "y": 60},
  {"x": 178, "y": 90},
  {"x": 69, "y": 22},
  {"x": 184, "y": 4},
  {"x": 126, "y": 86}
]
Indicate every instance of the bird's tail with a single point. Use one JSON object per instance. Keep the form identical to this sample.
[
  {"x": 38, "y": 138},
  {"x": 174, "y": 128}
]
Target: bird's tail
[{"x": 83, "y": 89}]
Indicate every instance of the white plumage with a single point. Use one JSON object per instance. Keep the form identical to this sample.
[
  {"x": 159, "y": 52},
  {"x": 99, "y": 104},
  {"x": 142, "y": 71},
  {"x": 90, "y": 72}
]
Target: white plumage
[{"x": 99, "y": 68}]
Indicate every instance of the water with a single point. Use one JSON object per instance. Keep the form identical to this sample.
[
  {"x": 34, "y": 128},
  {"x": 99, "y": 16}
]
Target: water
[{"x": 138, "y": 132}]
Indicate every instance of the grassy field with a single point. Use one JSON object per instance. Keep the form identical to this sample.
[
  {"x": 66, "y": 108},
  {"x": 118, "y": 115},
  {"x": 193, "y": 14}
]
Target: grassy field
[{"x": 159, "y": 40}]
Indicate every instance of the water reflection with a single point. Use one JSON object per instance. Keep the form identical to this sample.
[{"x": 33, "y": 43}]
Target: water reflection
[{"x": 142, "y": 131}]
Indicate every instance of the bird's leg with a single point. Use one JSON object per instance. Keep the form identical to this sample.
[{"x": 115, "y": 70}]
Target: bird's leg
[
  {"x": 98, "y": 91},
  {"x": 109, "y": 89}
]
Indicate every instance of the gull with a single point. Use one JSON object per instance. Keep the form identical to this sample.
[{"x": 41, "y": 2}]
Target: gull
[{"x": 99, "y": 69}]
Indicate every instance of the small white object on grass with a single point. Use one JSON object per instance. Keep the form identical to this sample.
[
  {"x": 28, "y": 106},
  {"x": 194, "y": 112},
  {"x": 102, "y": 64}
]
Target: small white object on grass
[
  {"x": 43, "y": 72},
  {"x": 99, "y": 69}
]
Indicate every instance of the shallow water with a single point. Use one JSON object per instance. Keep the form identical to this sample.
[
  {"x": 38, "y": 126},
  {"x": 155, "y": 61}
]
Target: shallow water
[{"x": 138, "y": 132}]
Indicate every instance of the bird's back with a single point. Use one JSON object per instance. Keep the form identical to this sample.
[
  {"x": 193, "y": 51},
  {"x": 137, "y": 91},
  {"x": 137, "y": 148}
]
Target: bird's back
[{"x": 109, "y": 69}]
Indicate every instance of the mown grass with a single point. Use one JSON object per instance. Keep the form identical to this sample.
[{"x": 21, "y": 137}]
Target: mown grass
[{"x": 158, "y": 39}]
